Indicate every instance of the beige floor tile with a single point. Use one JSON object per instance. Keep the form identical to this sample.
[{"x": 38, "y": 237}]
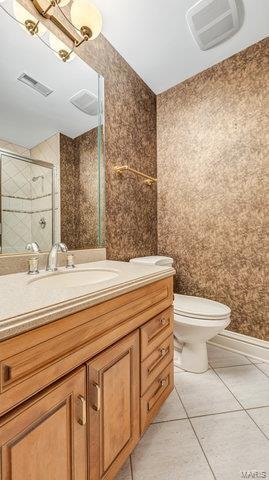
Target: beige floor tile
[
  {"x": 125, "y": 472},
  {"x": 171, "y": 410},
  {"x": 219, "y": 357},
  {"x": 248, "y": 384},
  {"x": 170, "y": 451},
  {"x": 233, "y": 444},
  {"x": 204, "y": 394},
  {"x": 178, "y": 370},
  {"x": 261, "y": 417}
]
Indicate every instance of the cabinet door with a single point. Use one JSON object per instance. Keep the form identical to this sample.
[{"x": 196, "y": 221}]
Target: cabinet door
[
  {"x": 46, "y": 438},
  {"x": 113, "y": 407}
]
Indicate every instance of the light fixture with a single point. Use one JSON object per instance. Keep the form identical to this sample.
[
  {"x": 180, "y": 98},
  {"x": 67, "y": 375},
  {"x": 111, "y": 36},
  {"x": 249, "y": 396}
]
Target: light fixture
[
  {"x": 27, "y": 21},
  {"x": 86, "y": 18},
  {"x": 60, "y": 49},
  {"x": 85, "y": 23}
]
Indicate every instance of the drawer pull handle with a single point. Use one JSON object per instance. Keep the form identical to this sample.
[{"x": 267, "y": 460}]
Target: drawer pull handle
[
  {"x": 97, "y": 405},
  {"x": 163, "y": 322},
  {"x": 163, "y": 351},
  {"x": 6, "y": 373},
  {"x": 163, "y": 382},
  {"x": 82, "y": 418}
]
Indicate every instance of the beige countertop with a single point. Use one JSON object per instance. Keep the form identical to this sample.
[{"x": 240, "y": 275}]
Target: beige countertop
[{"x": 26, "y": 303}]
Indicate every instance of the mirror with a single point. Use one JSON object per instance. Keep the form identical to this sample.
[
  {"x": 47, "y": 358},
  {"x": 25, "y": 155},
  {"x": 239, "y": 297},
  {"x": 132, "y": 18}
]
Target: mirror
[{"x": 51, "y": 145}]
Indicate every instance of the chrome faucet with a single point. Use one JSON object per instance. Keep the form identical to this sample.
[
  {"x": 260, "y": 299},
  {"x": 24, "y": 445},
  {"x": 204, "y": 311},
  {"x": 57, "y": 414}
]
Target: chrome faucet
[{"x": 53, "y": 256}]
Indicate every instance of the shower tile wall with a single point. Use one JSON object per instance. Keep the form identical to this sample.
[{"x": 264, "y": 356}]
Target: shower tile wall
[
  {"x": 22, "y": 201},
  {"x": 49, "y": 151},
  {"x": 16, "y": 203},
  {"x": 19, "y": 227},
  {"x": 41, "y": 206},
  {"x": 12, "y": 147}
]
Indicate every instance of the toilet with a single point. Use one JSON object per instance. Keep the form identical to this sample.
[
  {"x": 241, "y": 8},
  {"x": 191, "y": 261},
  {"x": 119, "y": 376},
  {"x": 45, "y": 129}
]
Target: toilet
[{"x": 197, "y": 320}]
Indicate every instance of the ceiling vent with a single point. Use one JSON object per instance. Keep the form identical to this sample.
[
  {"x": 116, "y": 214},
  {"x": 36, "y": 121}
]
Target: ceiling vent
[
  {"x": 213, "y": 21},
  {"x": 37, "y": 86},
  {"x": 85, "y": 101}
]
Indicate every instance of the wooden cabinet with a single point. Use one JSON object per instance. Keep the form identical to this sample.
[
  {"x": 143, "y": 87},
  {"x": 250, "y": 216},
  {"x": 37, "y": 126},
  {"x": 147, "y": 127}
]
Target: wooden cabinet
[
  {"x": 76, "y": 394},
  {"x": 114, "y": 430},
  {"x": 46, "y": 439}
]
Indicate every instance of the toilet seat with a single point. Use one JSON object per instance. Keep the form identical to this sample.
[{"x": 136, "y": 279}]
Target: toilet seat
[{"x": 200, "y": 308}]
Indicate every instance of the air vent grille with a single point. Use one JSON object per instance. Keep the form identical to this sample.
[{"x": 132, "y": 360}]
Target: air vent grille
[
  {"x": 85, "y": 101},
  {"x": 209, "y": 13},
  {"x": 37, "y": 86},
  {"x": 212, "y": 21}
]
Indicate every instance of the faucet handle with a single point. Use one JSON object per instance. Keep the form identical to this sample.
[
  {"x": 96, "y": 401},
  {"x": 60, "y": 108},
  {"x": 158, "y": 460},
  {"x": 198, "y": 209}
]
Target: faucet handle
[
  {"x": 62, "y": 246},
  {"x": 33, "y": 247}
]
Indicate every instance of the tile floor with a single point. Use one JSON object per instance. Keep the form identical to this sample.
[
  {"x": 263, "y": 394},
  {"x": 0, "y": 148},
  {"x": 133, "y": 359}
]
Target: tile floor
[{"x": 213, "y": 426}]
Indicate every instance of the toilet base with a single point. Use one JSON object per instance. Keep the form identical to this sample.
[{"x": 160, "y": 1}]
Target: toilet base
[{"x": 193, "y": 357}]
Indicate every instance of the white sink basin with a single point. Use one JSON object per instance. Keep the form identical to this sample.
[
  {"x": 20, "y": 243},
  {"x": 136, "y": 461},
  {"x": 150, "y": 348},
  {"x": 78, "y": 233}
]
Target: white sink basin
[{"x": 74, "y": 278}]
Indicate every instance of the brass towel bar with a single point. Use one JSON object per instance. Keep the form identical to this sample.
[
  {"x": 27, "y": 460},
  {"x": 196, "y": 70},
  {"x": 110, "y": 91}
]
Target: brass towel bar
[{"x": 124, "y": 168}]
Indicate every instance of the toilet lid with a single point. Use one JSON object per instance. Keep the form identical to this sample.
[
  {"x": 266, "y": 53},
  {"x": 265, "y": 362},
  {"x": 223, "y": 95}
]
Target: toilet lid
[{"x": 198, "y": 307}]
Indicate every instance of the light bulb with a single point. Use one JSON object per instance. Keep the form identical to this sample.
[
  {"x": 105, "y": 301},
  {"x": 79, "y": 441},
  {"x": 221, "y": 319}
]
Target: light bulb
[
  {"x": 60, "y": 49},
  {"x": 85, "y": 14},
  {"x": 27, "y": 21}
]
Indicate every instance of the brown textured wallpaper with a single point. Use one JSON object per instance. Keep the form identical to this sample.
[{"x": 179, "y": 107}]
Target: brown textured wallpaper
[
  {"x": 213, "y": 171},
  {"x": 79, "y": 190},
  {"x": 130, "y": 135}
]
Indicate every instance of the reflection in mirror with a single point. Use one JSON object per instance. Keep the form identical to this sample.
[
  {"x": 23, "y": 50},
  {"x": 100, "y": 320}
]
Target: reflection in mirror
[{"x": 51, "y": 145}]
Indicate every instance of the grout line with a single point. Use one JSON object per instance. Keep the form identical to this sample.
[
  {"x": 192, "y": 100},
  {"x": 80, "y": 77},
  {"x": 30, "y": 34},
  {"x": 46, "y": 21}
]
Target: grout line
[
  {"x": 204, "y": 415},
  {"x": 196, "y": 435},
  {"x": 257, "y": 366},
  {"x": 256, "y": 408},
  {"x": 249, "y": 358},
  {"x": 257, "y": 425},
  {"x": 241, "y": 405},
  {"x": 169, "y": 421},
  {"x": 232, "y": 366}
]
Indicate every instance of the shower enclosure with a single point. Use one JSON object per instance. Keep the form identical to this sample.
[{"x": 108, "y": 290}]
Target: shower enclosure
[{"x": 27, "y": 210}]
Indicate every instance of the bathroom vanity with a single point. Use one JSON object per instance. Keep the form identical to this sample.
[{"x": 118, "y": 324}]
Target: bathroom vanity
[{"x": 83, "y": 378}]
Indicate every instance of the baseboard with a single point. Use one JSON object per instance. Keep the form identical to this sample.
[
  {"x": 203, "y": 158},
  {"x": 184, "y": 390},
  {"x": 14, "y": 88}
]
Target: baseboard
[{"x": 243, "y": 344}]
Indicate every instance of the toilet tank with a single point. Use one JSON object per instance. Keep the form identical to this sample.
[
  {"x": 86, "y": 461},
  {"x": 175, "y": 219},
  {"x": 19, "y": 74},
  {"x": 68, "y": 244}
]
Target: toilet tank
[{"x": 154, "y": 260}]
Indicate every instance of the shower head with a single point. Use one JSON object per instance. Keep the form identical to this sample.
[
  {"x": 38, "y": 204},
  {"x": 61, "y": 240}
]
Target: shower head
[{"x": 34, "y": 179}]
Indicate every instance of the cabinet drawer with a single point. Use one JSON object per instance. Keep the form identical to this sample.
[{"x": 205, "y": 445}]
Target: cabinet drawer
[
  {"x": 156, "y": 362},
  {"x": 156, "y": 395},
  {"x": 156, "y": 331}
]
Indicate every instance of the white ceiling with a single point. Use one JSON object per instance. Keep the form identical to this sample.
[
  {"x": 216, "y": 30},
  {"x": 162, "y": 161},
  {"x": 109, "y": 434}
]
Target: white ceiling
[
  {"x": 153, "y": 37},
  {"x": 27, "y": 118}
]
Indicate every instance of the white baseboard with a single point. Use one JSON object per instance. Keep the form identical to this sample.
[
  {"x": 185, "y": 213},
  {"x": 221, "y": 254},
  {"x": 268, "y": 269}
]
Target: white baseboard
[{"x": 243, "y": 344}]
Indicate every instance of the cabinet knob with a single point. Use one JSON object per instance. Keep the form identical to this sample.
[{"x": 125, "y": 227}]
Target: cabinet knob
[
  {"x": 163, "y": 351},
  {"x": 163, "y": 321},
  {"x": 163, "y": 382}
]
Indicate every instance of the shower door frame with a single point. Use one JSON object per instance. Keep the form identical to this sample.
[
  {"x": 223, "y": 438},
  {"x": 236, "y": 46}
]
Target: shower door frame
[{"x": 33, "y": 161}]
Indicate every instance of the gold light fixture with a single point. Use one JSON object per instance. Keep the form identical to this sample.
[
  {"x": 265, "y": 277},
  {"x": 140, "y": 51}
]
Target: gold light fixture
[
  {"x": 60, "y": 49},
  {"x": 85, "y": 23},
  {"x": 27, "y": 21},
  {"x": 86, "y": 18}
]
